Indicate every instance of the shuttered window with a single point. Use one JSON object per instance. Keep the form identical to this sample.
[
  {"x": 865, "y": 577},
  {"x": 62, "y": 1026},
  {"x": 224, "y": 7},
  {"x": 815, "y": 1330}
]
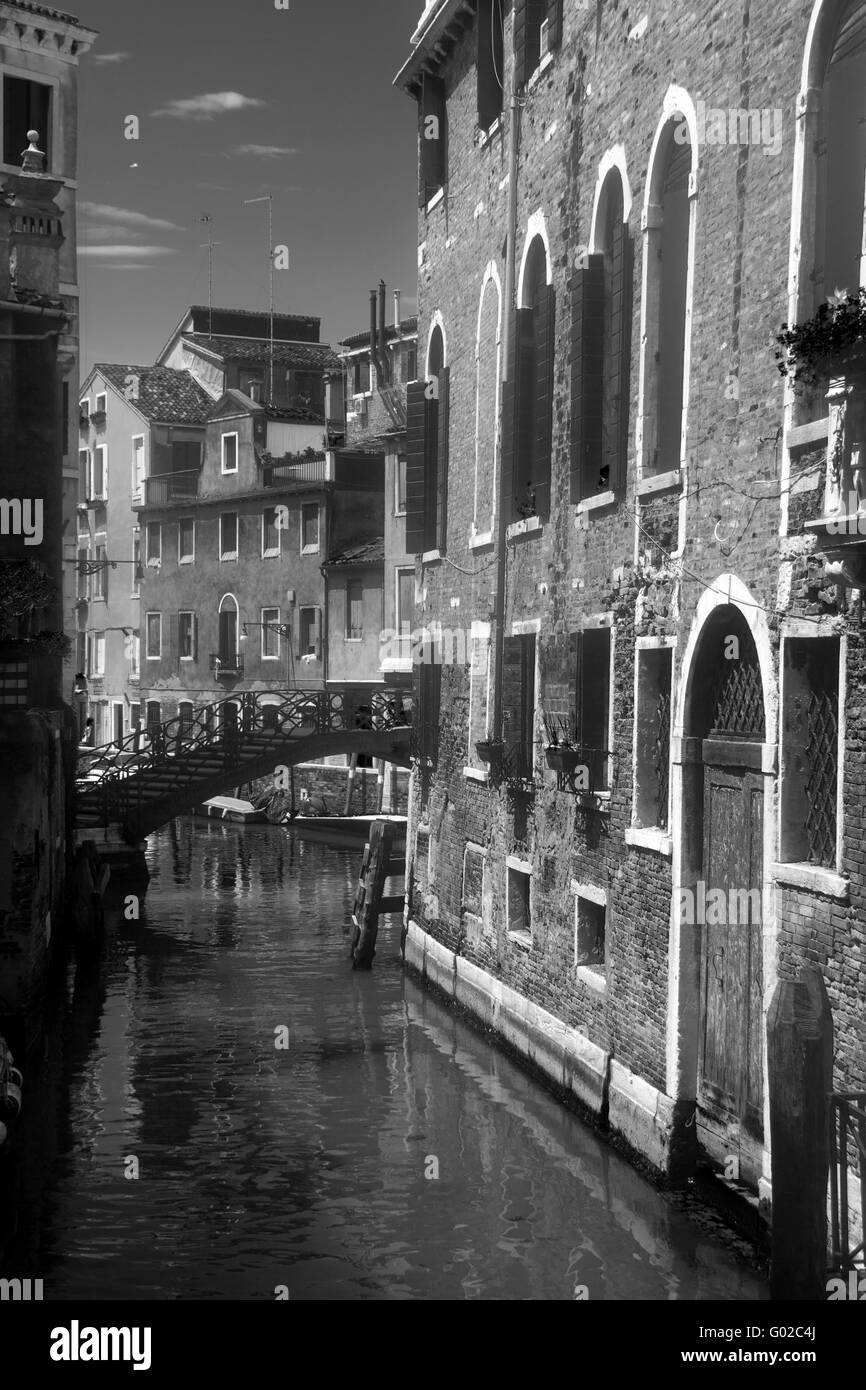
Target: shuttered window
[
  {"x": 528, "y": 410},
  {"x": 587, "y": 366},
  {"x": 429, "y": 693},
  {"x": 591, "y": 660},
  {"x": 427, "y": 438},
  {"x": 528, "y": 18},
  {"x": 432, "y": 136},
  {"x": 416, "y": 416}
]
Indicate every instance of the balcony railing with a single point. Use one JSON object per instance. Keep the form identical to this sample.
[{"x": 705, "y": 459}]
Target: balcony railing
[
  {"x": 315, "y": 469},
  {"x": 171, "y": 487},
  {"x": 227, "y": 664}
]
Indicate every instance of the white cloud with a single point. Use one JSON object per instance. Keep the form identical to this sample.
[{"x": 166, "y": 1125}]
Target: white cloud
[
  {"x": 262, "y": 151},
  {"x": 206, "y": 106},
  {"x": 119, "y": 251},
  {"x": 104, "y": 212},
  {"x": 110, "y": 57}
]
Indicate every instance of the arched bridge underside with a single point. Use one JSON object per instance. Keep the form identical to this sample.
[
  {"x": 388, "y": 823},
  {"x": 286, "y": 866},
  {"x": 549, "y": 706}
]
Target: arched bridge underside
[{"x": 168, "y": 769}]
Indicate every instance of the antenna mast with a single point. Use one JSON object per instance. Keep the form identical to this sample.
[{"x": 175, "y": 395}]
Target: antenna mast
[
  {"x": 269, "y": 199},
  {"x": 210, "y": 244}
]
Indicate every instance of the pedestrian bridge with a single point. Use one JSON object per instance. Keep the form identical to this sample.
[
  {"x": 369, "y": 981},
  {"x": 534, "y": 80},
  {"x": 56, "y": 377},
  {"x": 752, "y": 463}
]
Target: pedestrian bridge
[{"x": 168, "y": 769}]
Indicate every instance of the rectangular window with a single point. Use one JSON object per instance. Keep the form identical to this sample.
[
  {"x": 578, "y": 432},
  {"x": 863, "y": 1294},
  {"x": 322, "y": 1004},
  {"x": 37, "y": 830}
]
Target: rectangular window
[
  {"x": 229, "y": 536},
  {"x": 428, "y": 432},
  {"x": 101, "y": 403},
  {"x": 99, "y": 479},
  {"x": 307, "y": 631},
  {"x": 429, "y": 692},
  {"x": 400, "y": 487},
  {"x": 186, "y": 718},
  {"x": 98, "y": 654},
  {"x": 186, "y": 636},
  {"x": 810, "y": 751},
  {"x": 592, "y": 703},
  {"x": 590, "y": 923},
  {"x": 405, "y": 612},
  {"x": 100, "y": 578},
  {"x": 270, "y": 635},
  {"x": 84, "y": 408},
  {"x": 135, "y": 589},
  {"x": 479, "y": 691},
  {"x": 64, "y": 408},
  {"x": 153, "y": 629},
  {"x": 652, "y": 736},
  {"x": 230, "y": 453},
  {"x": 154, "y": 542},
  {"x": 138, "y": 465},
  {"x": 433, "y": 137},
  {"x": 518, "y": 704},
  {"x": 135, "y": 657},
  {"x": 490, "y": 62},
  {"x": 270, "y": 532},
  {"x": 186, "y": 540},
  {"x": 518, "y": 901},
  {"x": 83, "y": 590},
  {"x": 309, "y": 528},
  {"x": 26, "y": 106},
  {"x": 360, "y": 376},
  {"x": 354, "y": 610}
]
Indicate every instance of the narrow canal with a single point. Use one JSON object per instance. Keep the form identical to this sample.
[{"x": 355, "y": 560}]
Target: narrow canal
[{"x": 314, "y": 1166}]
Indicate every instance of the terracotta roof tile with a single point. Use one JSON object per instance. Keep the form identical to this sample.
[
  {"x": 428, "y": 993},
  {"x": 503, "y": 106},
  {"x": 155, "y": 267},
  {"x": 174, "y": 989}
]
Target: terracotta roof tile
[
  {"x": 309, "y": 356},
  {"x": 165, "y": 394}
]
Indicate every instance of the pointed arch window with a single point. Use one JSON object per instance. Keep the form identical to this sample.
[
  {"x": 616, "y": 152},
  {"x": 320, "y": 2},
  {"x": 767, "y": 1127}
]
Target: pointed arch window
[
  {"x": 528, "y": 396},
  {"x": 427, "y": 434}
]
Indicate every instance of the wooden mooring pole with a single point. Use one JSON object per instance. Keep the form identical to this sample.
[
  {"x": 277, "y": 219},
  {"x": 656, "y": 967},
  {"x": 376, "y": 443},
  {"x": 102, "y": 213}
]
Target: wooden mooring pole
[
  {"x": 384, "y": 856},
  {"x": 800, "y": 1064}
]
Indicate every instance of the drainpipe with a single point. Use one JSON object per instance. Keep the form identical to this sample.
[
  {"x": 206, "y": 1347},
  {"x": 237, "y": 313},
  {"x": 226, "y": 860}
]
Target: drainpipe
[{"x": 508, "y": 319}]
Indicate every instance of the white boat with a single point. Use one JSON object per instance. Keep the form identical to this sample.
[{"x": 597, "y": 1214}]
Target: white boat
[{"x": 233, "y": 809}]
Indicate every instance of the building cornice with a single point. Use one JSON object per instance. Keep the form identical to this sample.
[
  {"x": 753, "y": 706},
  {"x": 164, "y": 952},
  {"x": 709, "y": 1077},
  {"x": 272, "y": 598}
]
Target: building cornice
[
  {"x": 53, "y": 34},
  {"x": 434, "y": 40}
]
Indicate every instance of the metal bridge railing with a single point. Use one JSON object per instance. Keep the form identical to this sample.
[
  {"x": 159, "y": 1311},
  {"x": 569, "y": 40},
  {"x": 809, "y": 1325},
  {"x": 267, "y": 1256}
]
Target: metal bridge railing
[{"x": 847, "y": 1137}]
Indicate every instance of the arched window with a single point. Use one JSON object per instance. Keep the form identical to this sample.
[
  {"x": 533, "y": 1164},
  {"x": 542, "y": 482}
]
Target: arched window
[
  {"x": 601, "y": 352},
  {"x": 667, "y": 229},
  {"x": 487, "y": 357},
  {"x": 528, "y": 399},
  {"x": 185, "y": 718},
  {"x": 427, "y": 433},
  {"x": 227, "y": 654}
]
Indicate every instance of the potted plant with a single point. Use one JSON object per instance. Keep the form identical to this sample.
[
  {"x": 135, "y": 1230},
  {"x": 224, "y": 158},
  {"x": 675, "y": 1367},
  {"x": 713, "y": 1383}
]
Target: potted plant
[
  {"x": 489, "y": 750},
  {"x": 560, "y": 750}
]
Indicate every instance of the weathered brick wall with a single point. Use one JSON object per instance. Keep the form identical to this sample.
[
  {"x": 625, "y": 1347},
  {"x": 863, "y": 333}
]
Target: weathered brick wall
[{"x": 604, "y": 88}]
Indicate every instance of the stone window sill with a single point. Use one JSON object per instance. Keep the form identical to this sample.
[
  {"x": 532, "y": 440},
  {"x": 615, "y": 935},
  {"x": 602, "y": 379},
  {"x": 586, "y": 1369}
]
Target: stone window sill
[
  {"x": 542, "y": 68},
  {"x": 641, "y": 837},
  {"x": 431, "y": 557},
  {"x": 480, "y": 540},
  {"x": 486, "y": 136},
  {"x": 437, "y": 198},
  {"x": 523, "y": 939},
  {"x": 476, "y": 774},
  {"x": 592, "y": 977},
  {"x": 530, "y": 525},
  {"x": 812, "y": 878},
  {"x": 660, "y": 482},
  {"x": 592, "y": 504}
]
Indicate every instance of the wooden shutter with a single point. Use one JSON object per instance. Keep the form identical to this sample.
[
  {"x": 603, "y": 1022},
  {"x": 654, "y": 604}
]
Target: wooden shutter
[
  {"x": 554, "y": 19},
  {"x": 442, "y": 460},
  {"x": 545, "y": 327},
  {"x": 623, "y": 290},
  {"x": 431, "y": 136},
  {"x": 509, "y": 432},
  {"x": 416, "y": 418},
  {"x": 528, "y": 15},
  {"x": 587, "y": 362},
  {"x": 490, "y": 60},
  {"x": 317, "y": 633},
  {"x": 512, "y": 723}
]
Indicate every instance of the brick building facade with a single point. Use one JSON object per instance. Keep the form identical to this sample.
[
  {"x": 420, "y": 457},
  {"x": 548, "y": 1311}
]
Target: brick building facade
[{"x": 619, "y": 510}]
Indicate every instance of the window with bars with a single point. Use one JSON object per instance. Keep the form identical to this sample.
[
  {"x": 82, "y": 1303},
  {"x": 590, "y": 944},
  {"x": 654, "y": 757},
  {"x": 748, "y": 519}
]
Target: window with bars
[
  {"x": 652, "y": 737},
  {"x": 810, "y": 751}
]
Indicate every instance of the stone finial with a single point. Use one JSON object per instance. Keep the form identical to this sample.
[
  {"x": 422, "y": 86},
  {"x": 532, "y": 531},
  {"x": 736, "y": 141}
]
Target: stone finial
[{"x": 32, "y": 159}]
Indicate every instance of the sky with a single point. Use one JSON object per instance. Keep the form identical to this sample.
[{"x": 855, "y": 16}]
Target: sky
[{"x": 235, "y": 99}]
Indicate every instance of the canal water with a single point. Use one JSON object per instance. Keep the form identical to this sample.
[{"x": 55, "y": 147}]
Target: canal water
[{"x": 172, "y": 1151}]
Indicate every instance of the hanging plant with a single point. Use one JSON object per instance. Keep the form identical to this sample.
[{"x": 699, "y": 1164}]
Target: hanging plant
[
  {"x": 23, "y": 587},
  {"x": 827, "y": 344}
]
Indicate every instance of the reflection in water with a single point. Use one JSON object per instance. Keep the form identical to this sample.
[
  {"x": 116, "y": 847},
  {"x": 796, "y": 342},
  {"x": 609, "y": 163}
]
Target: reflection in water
[{"x": 308, "y": 1166}]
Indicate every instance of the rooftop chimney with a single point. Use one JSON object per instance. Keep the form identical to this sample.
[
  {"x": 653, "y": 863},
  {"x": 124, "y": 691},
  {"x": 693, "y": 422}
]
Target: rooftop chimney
[
  {"x": 383, "y": 354},
  {"x": 374, "y": 355},
  {"x": 396, "y": 308}
]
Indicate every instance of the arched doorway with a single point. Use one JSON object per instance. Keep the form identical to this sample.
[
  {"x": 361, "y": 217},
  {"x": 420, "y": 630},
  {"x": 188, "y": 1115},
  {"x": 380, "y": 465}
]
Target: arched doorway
[{"x": 722, "y": 887}]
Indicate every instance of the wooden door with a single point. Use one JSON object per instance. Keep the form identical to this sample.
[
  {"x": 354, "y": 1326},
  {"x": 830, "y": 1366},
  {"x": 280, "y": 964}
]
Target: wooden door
[{"x": 730, "y": 1065}]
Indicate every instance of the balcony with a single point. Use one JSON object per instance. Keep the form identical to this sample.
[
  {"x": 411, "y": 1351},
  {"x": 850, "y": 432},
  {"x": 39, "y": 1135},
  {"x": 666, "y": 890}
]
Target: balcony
[
  {"x": 170, "y": 487},
  {"x": 226, "y": 664},
  {"x": 841, "y": 527},
  {"x": 316, "y": 468}
]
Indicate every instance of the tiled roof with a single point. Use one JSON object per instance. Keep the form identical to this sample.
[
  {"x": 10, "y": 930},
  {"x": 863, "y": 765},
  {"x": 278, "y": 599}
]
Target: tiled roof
[
  {"x": 367, "y": 553},
  {"x": 311, "y": 356},
  {"x": 166, "y": 395},
  {"x": 43, "y": 10},
  {"x": 407, "y": 328}
]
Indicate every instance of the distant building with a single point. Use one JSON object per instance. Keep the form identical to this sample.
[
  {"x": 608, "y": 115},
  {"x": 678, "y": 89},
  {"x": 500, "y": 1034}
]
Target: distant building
[
  {"x": 378, "y": 366},
  {"x": 142, "y": 432}
]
